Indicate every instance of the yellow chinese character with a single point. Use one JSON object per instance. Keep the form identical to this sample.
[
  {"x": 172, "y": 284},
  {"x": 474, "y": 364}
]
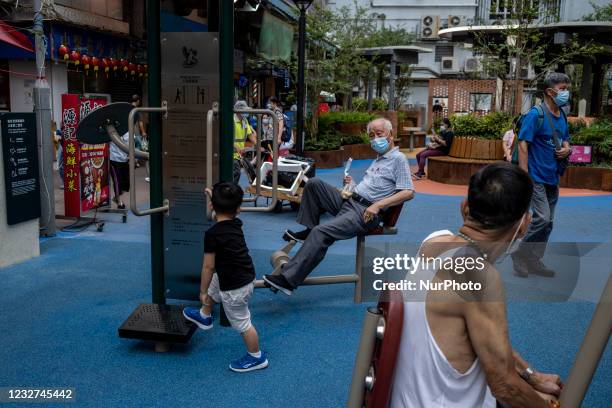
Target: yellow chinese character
[
  {"x": 70, "y": 149},
  {"x": 71, "y": 174},
  {"x": 71, "y": 161},
  {"x": 71, "y": 186}
]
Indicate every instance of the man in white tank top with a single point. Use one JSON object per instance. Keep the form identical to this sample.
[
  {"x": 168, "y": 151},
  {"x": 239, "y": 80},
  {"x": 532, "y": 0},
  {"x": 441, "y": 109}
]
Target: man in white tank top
[{"x": 454, "y": 350}]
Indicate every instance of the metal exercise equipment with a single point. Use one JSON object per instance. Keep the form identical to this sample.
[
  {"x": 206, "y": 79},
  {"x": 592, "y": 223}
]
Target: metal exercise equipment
[
  {"x": 387, "y": 227},
  {"x": 377, "y": 353}
]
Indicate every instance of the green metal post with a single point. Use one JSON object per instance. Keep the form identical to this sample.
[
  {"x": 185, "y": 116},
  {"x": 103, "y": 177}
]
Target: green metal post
[
  {"x": 155, "y": 151},
  {"x": 226, "y": 103}
]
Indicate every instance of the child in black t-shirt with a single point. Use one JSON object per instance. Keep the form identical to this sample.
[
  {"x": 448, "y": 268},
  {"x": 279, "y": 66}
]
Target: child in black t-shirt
[{"x": 228, "y": 276}]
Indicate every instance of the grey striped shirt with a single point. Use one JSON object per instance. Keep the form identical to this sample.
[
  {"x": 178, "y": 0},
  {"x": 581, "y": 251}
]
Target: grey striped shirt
[{"x": 387, "y": 174}]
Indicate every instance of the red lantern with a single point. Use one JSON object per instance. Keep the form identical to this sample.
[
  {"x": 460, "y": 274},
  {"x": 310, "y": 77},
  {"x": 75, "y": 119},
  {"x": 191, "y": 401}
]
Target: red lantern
[
  {"x": 105, "y": 63},
  {"x": 86, "y": 61},
  {"x": 64, "y": 52},
  {"x": 132, "y": 68},
  {"x": 95, "y": 62},
  {"x": 124, "y": 64},
  {"x": 75, "y": 57},
  {"x": 114, "y": 63},
  {"x": 140, "y": 70},
  {"x": 145, "y": 69}
]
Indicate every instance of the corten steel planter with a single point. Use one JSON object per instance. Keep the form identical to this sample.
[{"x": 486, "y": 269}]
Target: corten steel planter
[
  {"x": 594, "y": 178},
  {"x": 326, "y": 159},
  {"x": 351, "y": 129},
  {"x": 359, "y": 151}
]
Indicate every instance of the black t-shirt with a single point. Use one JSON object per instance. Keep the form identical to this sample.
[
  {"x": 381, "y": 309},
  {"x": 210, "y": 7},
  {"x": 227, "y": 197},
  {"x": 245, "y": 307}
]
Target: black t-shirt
[
  {"x": 233, "y": 263},
  {"x": 447, "y": 136}
]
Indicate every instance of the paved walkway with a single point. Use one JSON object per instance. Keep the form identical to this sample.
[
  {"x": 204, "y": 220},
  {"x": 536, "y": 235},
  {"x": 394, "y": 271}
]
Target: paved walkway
[{"x": 61, "y": 311}]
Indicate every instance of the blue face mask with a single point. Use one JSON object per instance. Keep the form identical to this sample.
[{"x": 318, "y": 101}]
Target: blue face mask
[
  {"x": 562, "y": 98},
  {"x": 380, "y": 144}
]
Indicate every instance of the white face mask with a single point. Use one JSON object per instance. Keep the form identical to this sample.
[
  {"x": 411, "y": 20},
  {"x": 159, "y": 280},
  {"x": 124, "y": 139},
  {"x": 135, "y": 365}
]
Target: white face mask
[{"x": 515, "y": 242}]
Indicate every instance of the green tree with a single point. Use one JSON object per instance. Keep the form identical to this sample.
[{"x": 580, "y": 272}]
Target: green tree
[
  {"x": 600, "y": 13},
  {"x": 524, "y": 43}
]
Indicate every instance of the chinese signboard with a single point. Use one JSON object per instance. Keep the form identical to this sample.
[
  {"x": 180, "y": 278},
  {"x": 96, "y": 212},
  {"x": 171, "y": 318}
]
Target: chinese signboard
[
  {"x": 20, "y": 156},
  {"x": 85, "y": 166}
]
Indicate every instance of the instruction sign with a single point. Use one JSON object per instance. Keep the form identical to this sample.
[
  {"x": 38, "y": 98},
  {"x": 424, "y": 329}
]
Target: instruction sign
[{"x": 20, "y": 157}]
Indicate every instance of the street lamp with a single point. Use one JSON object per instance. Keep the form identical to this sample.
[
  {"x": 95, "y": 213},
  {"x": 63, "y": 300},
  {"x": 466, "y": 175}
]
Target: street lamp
[{"x": 302, "y": 5}]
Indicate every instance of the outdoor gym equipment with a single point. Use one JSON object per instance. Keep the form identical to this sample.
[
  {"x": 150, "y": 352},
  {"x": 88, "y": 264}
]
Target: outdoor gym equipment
[{"x": 382, "y": 332}]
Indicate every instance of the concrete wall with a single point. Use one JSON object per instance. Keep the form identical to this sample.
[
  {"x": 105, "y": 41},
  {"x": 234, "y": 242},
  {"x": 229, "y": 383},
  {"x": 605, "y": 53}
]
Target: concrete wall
[
  {"x": 17, "y": 242},
  {"x": 21, "y": 86}
]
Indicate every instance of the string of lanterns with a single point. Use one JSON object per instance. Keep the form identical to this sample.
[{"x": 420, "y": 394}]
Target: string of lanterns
[{"x": 104, "y": 63}]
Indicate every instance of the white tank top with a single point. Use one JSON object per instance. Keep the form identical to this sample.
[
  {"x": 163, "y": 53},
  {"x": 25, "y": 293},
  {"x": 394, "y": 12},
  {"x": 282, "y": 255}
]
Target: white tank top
[{"x": 423, "y": 376}]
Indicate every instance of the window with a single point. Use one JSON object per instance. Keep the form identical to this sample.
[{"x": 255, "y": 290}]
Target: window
[
  {"x": 444, "y": 51},
  {"x": 481, "y": 102}
]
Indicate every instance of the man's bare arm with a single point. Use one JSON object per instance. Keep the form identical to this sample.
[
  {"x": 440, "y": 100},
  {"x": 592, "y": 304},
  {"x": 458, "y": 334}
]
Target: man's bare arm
[{"x": 488, "y": 332}]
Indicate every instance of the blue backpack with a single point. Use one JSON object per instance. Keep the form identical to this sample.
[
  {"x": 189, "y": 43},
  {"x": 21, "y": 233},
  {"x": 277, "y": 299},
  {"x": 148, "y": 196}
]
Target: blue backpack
[{"x": 286, "y": 135}]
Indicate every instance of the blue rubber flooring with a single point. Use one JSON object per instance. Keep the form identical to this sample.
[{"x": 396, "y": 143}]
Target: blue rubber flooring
[{"x": 61, "y": 311}]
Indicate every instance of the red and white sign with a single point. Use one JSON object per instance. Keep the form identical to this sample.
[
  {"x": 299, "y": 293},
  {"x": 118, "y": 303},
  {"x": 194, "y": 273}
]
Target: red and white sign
[
  {"x": 581, "y": 154},
  {"x": 86, "y": 167}
]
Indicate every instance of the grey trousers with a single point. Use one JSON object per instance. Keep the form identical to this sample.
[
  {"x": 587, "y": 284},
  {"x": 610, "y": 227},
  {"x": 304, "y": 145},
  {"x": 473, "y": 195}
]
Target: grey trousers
[
  {"x": 318, "y": 198},
  {"x": 543, "y": 203}
]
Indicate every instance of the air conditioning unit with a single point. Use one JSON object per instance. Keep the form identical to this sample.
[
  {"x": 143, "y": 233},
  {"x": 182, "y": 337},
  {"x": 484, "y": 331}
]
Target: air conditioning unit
[
  {"x": 448, "y": 65},
  {"x": 430, "y": 25},
  {"x": 526, "y": 71},
  {"x": 473, "y": 64},
  {"x": 455, "y": 21}
]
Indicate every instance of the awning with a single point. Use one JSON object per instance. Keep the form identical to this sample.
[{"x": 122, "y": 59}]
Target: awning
[{"x": 12, "y": 36}]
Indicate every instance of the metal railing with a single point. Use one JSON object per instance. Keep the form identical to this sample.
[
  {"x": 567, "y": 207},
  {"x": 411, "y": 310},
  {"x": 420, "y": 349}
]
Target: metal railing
[{"x": 165, "y": 208}]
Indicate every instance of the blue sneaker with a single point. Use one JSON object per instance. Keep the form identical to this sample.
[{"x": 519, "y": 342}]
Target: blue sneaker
[
  {"x": 193, "y": 315},
  {"x": 249, "y": 363}
]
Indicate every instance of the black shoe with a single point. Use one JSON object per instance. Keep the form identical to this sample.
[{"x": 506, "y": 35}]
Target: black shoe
[
  {"x": 280, "y": 283},
  {"x": 540, "y": 269},
  {"x": 299, "y": 236},
  {"x": 520, "y": 269}
]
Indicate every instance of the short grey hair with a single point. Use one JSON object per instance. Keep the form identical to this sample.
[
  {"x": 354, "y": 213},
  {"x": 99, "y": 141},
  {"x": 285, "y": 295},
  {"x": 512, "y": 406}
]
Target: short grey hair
[
  {"x": 241, "y": 105},
  {"x": 386, "y": 123},
  {"x": 555, "y": 78}
]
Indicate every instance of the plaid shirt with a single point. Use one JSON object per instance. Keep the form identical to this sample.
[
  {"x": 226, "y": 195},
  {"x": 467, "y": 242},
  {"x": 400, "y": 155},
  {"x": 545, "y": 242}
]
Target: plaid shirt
[{"x": 387, "y": 174}]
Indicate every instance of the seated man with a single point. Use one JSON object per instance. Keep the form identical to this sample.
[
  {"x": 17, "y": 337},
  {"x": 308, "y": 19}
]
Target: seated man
[
  {"x": 387, "y": 183},
  {"x": 454, "y": 350}
]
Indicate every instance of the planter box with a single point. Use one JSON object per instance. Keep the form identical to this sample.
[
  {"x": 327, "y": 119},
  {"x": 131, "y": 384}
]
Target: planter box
[
  {"x": 476, "y": 148},
  {"x": 351, "y": 129},
  {"x": 594, "y": 178},
  {"x": 326, "y": 159},
  {"x": 358, "y": 151}
]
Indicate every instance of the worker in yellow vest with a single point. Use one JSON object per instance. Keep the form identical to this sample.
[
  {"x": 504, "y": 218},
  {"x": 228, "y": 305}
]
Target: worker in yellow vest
[{"x": 242, "y": 131}]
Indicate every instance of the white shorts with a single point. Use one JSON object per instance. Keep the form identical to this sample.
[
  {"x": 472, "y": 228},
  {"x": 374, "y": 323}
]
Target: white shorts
[{"x": 235, "y": 303}]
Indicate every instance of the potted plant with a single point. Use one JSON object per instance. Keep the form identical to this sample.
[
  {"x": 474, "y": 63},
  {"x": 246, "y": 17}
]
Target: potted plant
[{"x": 479, "y": 138}]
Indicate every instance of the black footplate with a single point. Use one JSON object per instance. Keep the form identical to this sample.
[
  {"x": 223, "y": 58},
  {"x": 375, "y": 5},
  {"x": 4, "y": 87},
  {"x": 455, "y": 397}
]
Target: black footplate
[{"x": 159, "y": 323}]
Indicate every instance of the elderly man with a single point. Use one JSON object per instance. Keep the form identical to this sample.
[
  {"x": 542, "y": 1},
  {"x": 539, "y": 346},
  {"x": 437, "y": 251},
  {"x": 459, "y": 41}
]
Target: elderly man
[
  {"x": 454, "y": 349},
  {"x": 387, "y": 183}
]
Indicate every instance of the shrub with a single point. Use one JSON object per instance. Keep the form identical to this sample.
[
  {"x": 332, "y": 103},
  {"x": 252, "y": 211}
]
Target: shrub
[
  {"x": 491, "y": 126},
  {"x": 598, "y": 135},
  {"x": 328, "y": 121},
  {"x": 360, "y": 104},
  {"x": 355, "y": 139},
  {"x": 379, "y": 104}
]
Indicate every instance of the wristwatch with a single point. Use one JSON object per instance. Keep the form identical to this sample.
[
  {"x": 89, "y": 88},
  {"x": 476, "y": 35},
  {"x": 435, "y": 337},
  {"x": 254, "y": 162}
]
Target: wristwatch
[{"x": 527, "y": 373}]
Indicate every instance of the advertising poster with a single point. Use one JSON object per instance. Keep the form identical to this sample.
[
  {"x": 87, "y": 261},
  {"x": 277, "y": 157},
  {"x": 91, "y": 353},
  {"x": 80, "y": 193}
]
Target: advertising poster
[
  {"x": 94, "y": 166},
  {"x": 85, "y": 166}
]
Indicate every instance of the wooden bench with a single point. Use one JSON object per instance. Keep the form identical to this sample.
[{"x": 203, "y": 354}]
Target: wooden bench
[
  {"x": 466, "y": 157},
  {"x": 453, "y": 170}
]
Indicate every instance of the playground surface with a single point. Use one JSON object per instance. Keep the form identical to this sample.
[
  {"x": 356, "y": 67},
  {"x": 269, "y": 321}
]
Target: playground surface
[{"x": 61, "y": 312}]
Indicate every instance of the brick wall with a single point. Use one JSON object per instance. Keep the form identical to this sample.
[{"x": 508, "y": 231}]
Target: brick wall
[{"x": 458, "y": 93}]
